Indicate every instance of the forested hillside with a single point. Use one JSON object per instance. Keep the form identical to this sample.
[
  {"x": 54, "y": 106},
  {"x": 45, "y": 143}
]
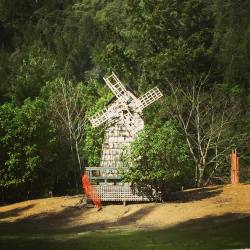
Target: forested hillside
[{"x": 53, "y": 56}]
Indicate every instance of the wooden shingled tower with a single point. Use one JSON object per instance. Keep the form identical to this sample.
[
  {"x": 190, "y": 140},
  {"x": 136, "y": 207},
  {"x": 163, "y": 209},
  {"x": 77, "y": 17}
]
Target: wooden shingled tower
[{"x": 123, "y": 119}]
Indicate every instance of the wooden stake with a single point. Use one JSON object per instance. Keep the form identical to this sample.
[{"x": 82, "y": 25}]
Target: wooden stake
[{"x": 235, "y": 177}]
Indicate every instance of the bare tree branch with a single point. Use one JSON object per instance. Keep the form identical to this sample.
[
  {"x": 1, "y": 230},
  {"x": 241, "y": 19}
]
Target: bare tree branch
[
  {"x": 206, "y": 118},
  {"x": 70, "y": 110}
]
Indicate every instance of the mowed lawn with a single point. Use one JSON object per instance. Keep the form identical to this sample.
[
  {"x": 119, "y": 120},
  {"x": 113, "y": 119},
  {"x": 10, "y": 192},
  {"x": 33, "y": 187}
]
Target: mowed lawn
[{"x": 231, "y": 231}]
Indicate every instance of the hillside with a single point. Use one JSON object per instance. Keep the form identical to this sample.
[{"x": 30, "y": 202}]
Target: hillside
[{"x": 58, "y": 212}]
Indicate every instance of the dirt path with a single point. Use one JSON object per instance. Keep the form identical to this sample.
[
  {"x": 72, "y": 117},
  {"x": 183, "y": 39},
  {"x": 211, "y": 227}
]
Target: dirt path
[{"x": 191, "y": 204}]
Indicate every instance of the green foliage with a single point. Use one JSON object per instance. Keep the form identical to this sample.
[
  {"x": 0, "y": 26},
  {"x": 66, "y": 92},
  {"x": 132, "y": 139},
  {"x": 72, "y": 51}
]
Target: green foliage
[
  {"x": 232, "y": 49},
  {"x": 156, "y": 40},
  {"x": 68, "y": 105},
  {"x": 30, "y": 69},
  {"x": 27, "y": 138},
  {"x": 68, "y": 32},
  {"x": 94, "y": 136},
  {"x": 232, "y": 41},
  {"x": 158, "y": 158}
]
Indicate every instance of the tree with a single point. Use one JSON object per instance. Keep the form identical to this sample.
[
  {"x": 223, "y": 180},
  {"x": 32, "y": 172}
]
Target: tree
[
  {"x": 68, "y": 103},
  {"x": 30, "y": 69},
  {"x": 26, "y": 141},
  {"x": 158, "y": 159},
  {"x": 231, "y": 43},
  {"x": 68, "y": 30},
  {"x": 152, "y": 41},
  {"x": 94, "y": 136},
  {"x": 207, "y": 117}
]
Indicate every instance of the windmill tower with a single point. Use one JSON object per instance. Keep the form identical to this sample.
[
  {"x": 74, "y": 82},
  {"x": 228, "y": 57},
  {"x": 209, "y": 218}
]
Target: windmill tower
[{"x": 124, "y": 121}]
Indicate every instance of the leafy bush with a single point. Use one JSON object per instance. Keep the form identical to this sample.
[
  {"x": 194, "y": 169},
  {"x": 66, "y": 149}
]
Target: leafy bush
[
  {"x": 158, "y": 159},
  {"x": 26, "y": 142}
]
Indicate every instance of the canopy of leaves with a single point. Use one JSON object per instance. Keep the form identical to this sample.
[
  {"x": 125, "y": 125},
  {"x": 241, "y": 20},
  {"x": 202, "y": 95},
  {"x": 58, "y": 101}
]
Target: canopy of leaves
[{"x": 27, "y": 140}]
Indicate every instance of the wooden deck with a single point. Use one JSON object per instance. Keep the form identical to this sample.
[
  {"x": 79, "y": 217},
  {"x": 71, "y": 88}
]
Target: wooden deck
[{"x": 110, "y": 187}]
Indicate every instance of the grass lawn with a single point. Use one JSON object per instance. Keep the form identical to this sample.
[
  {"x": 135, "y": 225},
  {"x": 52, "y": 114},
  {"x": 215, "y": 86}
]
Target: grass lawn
[{"x": 227, "y": 232}]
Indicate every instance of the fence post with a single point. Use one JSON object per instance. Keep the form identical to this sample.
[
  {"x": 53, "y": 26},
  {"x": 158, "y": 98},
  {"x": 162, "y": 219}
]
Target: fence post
[{"x": 235, "y": 177}]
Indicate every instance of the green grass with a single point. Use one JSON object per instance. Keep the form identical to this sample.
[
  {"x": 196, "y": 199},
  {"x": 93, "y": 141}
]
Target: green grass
[{"x": 228, "y": 232}]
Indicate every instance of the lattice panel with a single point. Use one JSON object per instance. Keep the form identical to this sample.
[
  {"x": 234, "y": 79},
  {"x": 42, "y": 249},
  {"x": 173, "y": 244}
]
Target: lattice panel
[
  {"x": 151, "y": 96},
  {"x": 99, "y": 118},
  {"x": 118, "y": 193},
  {"x": 115, "y": 85}
]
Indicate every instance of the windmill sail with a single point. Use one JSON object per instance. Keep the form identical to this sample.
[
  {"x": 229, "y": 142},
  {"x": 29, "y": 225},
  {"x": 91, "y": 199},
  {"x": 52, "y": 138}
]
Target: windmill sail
[
  {"x": 115, "y": 85},
  {"x": 125, "y": 102},
  {"x": 101, "y": 117},
  {"x": 151, "y": 96}
]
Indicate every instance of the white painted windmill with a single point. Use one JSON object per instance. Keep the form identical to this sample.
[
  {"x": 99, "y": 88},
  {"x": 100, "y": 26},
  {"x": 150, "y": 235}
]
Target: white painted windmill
[{"x": 124, "y": 120}]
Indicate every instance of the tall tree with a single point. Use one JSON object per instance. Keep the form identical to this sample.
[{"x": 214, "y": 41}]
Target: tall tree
[
  {"x": 207, "y": 118},
  {"x": 158, "y": 159},
  {"x": 26, "y": 141},
  {"x": 151, "y": 41},
  {"x": 68, "y": 103},
  {"x": 232, "y": 41}
]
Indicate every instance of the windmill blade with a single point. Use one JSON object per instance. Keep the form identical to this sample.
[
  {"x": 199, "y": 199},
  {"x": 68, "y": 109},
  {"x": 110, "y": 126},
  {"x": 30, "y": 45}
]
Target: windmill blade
[
  {"x": 149, "y": 97},
  {"x": 101, "y": 117},
  {"x": 115, "y": 85}
]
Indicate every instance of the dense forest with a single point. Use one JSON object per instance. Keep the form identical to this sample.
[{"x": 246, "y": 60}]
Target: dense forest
[{"x": 53, "y": 56}]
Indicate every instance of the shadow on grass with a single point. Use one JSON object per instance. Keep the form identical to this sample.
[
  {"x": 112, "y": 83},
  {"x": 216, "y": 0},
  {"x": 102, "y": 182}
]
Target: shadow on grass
[
  {"x": 45, "y": 222},
  {"x": 41, "y": 222},
  {"x": 15, "y": 212},
  {"x": 194, "y": 194},
  {"x": 50, "y": 221},
  {"x": 229, "y": 231}
]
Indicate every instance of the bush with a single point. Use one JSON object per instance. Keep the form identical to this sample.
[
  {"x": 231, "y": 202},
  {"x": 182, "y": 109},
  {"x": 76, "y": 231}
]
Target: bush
[{"x": 158, "y": 159}]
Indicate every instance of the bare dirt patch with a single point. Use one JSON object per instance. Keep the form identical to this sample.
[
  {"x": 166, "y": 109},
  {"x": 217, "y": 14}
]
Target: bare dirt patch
[{"x": 183, "y": 206}]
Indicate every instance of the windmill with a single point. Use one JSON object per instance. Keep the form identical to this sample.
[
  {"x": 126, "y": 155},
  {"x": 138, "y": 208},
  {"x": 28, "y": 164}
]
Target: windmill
[
  {"x": 126, "y": 107},
  {"x": 124, "y": 120}
]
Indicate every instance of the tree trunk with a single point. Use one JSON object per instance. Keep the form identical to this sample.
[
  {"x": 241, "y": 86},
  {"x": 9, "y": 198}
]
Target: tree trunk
[
  {"x": 201, "y": 172},
  {"x": 196, "y": 175},
  {"x": 215, "y": 167},
  {"x": 75, "y": 170},
  {"x": 78, "y": 157}
]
